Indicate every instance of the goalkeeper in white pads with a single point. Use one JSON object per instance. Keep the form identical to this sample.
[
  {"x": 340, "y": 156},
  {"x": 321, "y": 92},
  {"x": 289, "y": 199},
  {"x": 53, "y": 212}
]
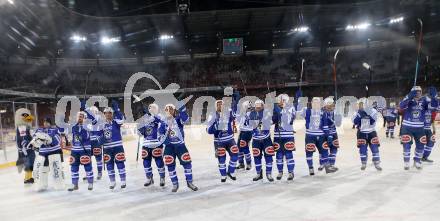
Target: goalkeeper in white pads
[{"x": 46, "y": 141}]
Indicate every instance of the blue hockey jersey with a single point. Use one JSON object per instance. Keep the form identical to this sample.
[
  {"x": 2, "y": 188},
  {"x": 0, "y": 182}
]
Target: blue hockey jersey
[
  {"x": 23, "y": 137},
  {"x": 414, "y": 111},
  {"x": 331, "y": 121},
  {"x": 283, "y": 119},
  {"x": 316, "y": 121},
  {"x": 55, "y": 145},
  {"x": 80, "y": 138},
  {"x": 174, "y": 128},
  {"x": 260, "y": 124},
  {"x": 391, "y": 114},
  {"x": 222, "y": 131},
  {"x": 153, "y": 131},
  {"x": 364, "y": 122},
  {"x": 112, "y": 131}
]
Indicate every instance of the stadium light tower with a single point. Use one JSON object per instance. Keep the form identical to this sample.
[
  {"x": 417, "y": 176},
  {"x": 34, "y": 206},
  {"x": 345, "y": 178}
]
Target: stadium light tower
[
  {"x": 301, "y": 29},
  {"x": 166, "y": 37},
  {"x": 106, "y": 40},
  {"x": 396, "y": 20},
  {"x": 360, "y": 26},
  {"x": 78, "y": 38}
]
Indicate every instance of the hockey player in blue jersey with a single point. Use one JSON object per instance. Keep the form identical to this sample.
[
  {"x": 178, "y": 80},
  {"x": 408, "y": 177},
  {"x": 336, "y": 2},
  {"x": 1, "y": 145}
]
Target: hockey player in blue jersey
[
  {"x": 414, "y": 107},
  {"x": 96, "y": 140},
  {"x": 430, "y": 134},
  {"x": 261, "y": 141},
  {"x": 220, "y": 125},
  {"x": 365, "y": 120},
  {"x": 333, "y": 120},
  {"x": 245, "y": 136},
  {"x": 46, "y": 141},
  {"x": 391, "y": 116},
  {"x": 316, "y": 134},
  {"x": 153, "y": 131},
  {"x": 113, "y": 150},
  {"x": 175, "y": 147},
  {"x": 80, "y": 153},
  {"x": 284, "y": 141}
]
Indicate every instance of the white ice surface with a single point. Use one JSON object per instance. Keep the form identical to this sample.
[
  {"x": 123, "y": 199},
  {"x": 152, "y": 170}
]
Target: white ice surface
[{"x": 349, "y": 194}]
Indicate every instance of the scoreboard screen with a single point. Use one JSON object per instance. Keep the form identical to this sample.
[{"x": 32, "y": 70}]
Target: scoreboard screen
[{"x": 232, "y": 46}]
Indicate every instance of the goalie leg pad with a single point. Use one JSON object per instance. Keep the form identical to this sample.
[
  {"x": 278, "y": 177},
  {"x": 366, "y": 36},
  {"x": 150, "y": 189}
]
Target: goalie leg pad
[{"x": 56, "y": 168}]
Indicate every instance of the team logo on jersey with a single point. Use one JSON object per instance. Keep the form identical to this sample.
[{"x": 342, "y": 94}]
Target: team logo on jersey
[
  {"x": 108, "y": 134},
  {"x": 415, "y": 114},
  {"x": 71, "y": 160},
  {"x": 96, "y": 151},
  {"x": 120, "y": 156},
  {"x": 106, "y": 158},
  {"x": 433, "y": 138},
  {"x": 157, "y": 152},
  {"x": 391, "y": 124},
  {"x": 276, "y": 146},
  {"x": 149, "y": 131},
  {"x": 289, "y": 146},
  {"x": 84, "y": 160},
  {"x": 144, "y": 153},
  {"x": 405, "y": 138},
  {"x": 243, "y": 143},
  {"x": 310, "y": 147},
  {"x": 186, "y": 157},
  {"x": 172, "y": 133},
  {"x": 336, "y": 143},
  {"x": 375, "y": 140},
  {"x": 423, "y": 140},
  {"x": 234, "y": 149},
  {"x": 76, "y": 139},
  {"x": 269, "y": 150},
  {"x": 168, "y": 159},
  {"x": 256, "y": 152},
  {"x": 325, "y": 145},
  {"x": 221, "y": 151}
]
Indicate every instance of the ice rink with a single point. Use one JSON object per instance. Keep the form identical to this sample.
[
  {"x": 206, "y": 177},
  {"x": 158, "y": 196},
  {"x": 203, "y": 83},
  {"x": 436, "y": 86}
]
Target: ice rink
[{"x": 349, "y": 194}]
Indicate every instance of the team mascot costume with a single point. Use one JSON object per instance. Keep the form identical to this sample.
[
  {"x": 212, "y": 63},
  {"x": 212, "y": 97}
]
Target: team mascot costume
[{"x": 26, "y": 156}]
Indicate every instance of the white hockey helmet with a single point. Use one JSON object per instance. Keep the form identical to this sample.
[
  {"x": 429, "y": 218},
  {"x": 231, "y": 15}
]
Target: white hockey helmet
[
  {"x": 328, "y": 101},
  {"x": 283, "y": 97},
  {"x": 153, "y": 109},
  {"x": 416, "y": 88},
  {"x": 93, "y": 109},
  {"x": 259, "y": 103},
  {"x": 108, "y": 109},
  {"x": 392, "y": 104}
]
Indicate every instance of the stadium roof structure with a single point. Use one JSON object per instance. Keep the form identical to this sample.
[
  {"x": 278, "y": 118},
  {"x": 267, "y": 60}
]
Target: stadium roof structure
[{"x": 45, "y": 28}]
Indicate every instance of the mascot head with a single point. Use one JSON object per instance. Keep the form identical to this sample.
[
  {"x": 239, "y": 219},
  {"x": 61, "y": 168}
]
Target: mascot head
[{"x": 23, "y": 117}]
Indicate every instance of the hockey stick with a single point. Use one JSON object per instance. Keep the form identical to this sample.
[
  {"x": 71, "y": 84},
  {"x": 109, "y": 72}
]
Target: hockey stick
[
  {"x": 419, "y": 48},
  {"x": 137, "y": 152},
  {"x": 301, "y": 74},
  {"x": 334, "y": 74},
  {"x": 242, "y": 82}
]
